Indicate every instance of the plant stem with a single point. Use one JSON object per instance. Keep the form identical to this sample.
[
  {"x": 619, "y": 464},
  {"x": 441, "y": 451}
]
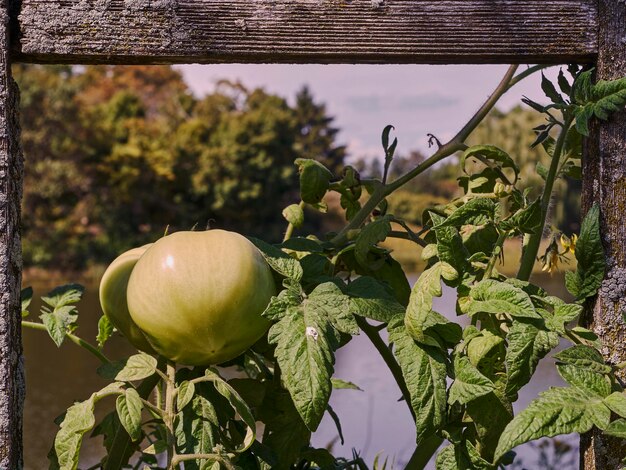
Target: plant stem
[
  {"x": 168, "y": 417},
  {"x": 496, "y": 253},
  {"x": 532, "y": 247},
  {"x": 75, "y": 339},
  {"x": 454, "y": 145},
  {"x": 372, "y": 333},
  {"x": 423, "y": 453},
  {"x": 290, "y": 227}
]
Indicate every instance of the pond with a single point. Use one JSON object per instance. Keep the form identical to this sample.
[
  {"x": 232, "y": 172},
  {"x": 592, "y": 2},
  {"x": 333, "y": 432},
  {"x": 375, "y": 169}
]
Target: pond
[{"x": 373, "y": 420}]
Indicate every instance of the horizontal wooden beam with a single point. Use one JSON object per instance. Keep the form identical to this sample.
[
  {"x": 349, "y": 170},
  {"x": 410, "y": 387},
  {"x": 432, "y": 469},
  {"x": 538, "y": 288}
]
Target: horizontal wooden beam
[{"x": 307, "y": 31}]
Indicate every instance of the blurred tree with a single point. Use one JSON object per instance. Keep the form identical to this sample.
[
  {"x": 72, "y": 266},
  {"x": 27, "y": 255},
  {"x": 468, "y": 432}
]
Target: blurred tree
[
  {"x": 114, "y": 154},
  {"x": 316, "y": 135}
]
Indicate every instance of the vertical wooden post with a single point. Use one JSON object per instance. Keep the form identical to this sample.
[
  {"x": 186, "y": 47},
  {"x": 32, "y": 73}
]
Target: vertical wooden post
[
  {"x": 11, "y": 176},
  {"x": 604, "y": 182}
]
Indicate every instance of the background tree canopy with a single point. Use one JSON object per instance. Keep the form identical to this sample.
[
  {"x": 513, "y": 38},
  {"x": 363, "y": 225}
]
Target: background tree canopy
[{"x": 115, "y": 154}]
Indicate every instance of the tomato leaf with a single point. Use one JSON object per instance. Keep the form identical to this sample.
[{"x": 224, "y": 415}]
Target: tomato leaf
[
  {"x": 428, "y": 285},
  {"x": 305, "y": 340},
  {"x": 105, "y": 330},
  {"x": 557, "y": 411},
  {"x": 129, "y": 406},
  {"x": 424, "y": 370},
  {"x": 294, "y": 215},
  {"x": 328, "y": 300},
  {"x": 369, "y": 236},
  {"x": 528, "y": 344},
  {"x": 590, "y": 256},
  {"x": 469, "y": 384},
  {"x": 339, "y": 384},
  {"x": 491, "y": 296},
  {"x": 370, "y": 298},
  {"x": 278, "y": 260},
  {"x": 314, "y": 180},
  {"x": 136, "y": 367},
  {"x": 477, "y": 211},
  {"x": 241, "y": 407},
  {"x": 186, "y": 391}
]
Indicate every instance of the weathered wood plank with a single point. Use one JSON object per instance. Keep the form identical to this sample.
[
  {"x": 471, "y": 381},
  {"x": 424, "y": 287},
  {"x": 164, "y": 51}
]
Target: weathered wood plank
[
  {"x": 311, "y": 31},
  {"x": 11, "y": 171},
  {"x": 604, "y": 182}
]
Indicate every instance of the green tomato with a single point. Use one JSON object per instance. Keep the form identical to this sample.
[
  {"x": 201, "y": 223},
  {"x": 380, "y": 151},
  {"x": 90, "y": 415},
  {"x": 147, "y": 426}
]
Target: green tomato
[
  {"x": 198, "y": 296},
  {"x": 113, "y": 297}
]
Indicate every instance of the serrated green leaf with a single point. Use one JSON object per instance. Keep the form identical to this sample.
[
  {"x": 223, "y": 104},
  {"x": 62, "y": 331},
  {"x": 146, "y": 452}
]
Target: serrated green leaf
[
  {"x": 370, "y": 298},
  {"x": 616, "y": 402},
  {"x": 590, "y": 256},
  {"x": 369, "y": 236},
  {"x": 469, "y": 383},
  {"x": 278, "y": 260},
  {"x": 280, "y": 304},
  {"x": 78, "y": 420},
  {"x": 617, "y": 428},
  {"x": 428, "y": 285},
  {"x": 59, "y": 322},
  {"x": 303, "y": 244},
  {"x": 328, "y": 300},
  {"x": 105, "y": 330},
  {"x": 64, "y": 295},
  {"x": 590, "y": 381},
  {"x": 556, "y": 411},
  {"x": 136, "y": 367},
  {"x": 155, "y": 449},
  {"x": 450, "y": 246},
  {"x": 294, "y": 215},
  {"x": 129, "y": 406},
  {"x": 477, "y": 211},
  {"x": 285, "y": 432},
  {"x": 424, "y": 370},
  {"x": 599, "y": 100},
  {"x": 491, "y": 296},
  {"x": 584, "y": 357},
  {"x": 339, "y": 384},
  {"x": 242, "y": 409},
  {"x": 305, "y": 341},
  {"x": 526, "y": 220},
  {"x": 26, "y": 297},
  {"x": 314, "y": 180},
  {"x": 185, "y": 393},
  {"x": 491, "y": 153},
  {"x": 528, "y": 344},
  {"x": 196, "y": 428},
  {"x": 550, "y": 90}
]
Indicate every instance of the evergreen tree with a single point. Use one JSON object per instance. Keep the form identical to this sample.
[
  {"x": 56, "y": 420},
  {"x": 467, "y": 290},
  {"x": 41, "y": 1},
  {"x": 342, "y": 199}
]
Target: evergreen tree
[{"x": 316, "y": 136}]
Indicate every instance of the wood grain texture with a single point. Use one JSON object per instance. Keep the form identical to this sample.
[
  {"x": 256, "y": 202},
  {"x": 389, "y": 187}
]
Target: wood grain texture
[
  {"x": 11, "y": 176},
  {"x": 604, "y": 182},
  {"x": 311, "y": 31}
]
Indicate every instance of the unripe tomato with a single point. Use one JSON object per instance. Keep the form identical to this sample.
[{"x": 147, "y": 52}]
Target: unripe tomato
[
  {"x": 198, "y": 296},
  {"x": 113, "y": 297}
]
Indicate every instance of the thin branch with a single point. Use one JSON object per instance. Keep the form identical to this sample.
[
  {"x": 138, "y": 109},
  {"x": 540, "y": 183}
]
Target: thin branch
[{"x": 72, "y": 337}]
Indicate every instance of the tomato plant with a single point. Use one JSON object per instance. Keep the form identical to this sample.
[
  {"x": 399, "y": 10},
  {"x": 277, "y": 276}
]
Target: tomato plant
[{"x": 459, "y": 383}]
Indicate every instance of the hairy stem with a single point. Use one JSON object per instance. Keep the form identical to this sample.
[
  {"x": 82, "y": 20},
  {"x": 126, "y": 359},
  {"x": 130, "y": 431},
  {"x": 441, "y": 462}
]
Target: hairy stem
[
  {"x": 496, "y": 254},
  {"x": 372, "y": 333},
  {"x": 75, "y": 339},
  {"x": 168, "y": 417},
  {"x": 532, "y": 247},
  {"x": 454, "y": 145},
  {"x": 423, "y": 453}
]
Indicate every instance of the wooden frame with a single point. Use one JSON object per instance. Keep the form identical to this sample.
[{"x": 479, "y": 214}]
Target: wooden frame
[{"x": 313, "y": 31}]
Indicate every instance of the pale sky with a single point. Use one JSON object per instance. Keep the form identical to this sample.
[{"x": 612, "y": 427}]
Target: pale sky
[{"x": 416, "y": 99}]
